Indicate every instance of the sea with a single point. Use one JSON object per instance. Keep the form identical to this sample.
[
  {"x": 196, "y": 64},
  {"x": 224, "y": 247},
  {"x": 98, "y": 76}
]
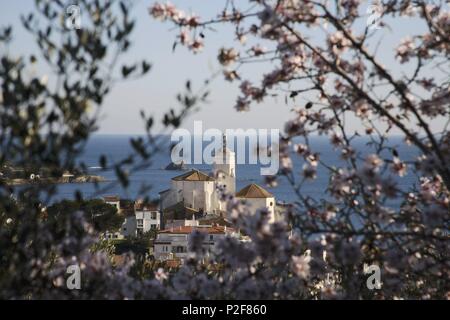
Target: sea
[{"x": 117, "y": 147}]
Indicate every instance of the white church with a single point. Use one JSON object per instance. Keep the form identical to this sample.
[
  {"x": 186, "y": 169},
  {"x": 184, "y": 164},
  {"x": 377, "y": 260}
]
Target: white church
[{"x": 196, "y": 192}]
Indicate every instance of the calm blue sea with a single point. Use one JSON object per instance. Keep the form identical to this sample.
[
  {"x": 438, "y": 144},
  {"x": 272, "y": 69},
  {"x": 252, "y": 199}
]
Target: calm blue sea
[{"x": 117, "y": 147}]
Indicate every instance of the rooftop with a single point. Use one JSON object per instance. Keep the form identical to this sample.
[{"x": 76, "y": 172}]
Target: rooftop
[
  {"x": 190, "y": 229},
  {"x": 111, "y": 198},
  {"x": 253, "y": 191},
  {"x": 220, "y": 221},
  {"x": 193, "y": 175}
]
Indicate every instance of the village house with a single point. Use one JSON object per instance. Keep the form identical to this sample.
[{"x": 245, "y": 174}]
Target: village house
[
  {"x": 139, "y": 217},
  {"x": 174, "y": 223},
  {"x": 147, "y": 216},
  {"x": 113, "y": 200},
  {"x": 129, "y": 225},
  {"x": 257, "y": 198},
  {"x": 173, "y": 243},
  {"x": 195, "y": 190}
]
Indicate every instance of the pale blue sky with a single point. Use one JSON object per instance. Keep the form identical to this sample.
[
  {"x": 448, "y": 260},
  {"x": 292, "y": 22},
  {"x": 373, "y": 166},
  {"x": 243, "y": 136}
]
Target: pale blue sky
[{"x": 155, "y": 92}]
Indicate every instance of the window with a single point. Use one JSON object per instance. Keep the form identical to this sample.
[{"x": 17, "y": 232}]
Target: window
[
  {"x": 154, "y": 215},
  {"x": 153, "y": 226},
  {"x": 271, "y": 203},
  {"x": 179, "y": 249},
  {"x": 211, "y": 237}
]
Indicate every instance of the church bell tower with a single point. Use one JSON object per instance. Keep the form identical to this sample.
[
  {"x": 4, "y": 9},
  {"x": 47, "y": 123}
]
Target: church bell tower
[{"x": 225, "y": 168}]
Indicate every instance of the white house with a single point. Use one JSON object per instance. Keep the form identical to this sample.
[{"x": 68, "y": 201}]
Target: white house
[
  {"x": 257, "y": 198},
  {"x": 140, "y": 219},
  {"x": 113, "y": 200},
  {"x": 129, "y": 226},
  {"x": 174, "y": 223},
  {"x": 198, "y": 191},
  {"x": 195, "y": 189},
  {"x": 113, "y": 235},
  {"x": 173, "y": 243},
  {"x": 147, "y": 216}
]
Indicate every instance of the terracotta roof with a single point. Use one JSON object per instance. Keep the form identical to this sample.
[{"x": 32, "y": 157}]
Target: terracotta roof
[
  {"x": 119, "y": 260},
  {"x": 193, "y": 175},
  {"x": 171, "y": 263},
  {"x": 111, "y": 198},
  {"x": 253, "y": 191},
  {"x": 190, "y": 229},
  {"x": 220, "y": 221}
]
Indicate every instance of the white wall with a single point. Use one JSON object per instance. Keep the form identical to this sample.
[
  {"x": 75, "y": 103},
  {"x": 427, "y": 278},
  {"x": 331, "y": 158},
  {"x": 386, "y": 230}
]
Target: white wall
[
  {"x": 166, "y": 242},
  {"x": 146, "y": 216},
  {"x": 181, "y": 223},
  {"x": 196, "y": 194},
  {"x": 225, "y": 173},
  {"x": 129, "y": 227},
  {"x": 255, "y": 204}
]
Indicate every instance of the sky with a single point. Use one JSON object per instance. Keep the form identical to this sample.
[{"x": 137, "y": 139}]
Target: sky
[{"x": 155, "y": 92}]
